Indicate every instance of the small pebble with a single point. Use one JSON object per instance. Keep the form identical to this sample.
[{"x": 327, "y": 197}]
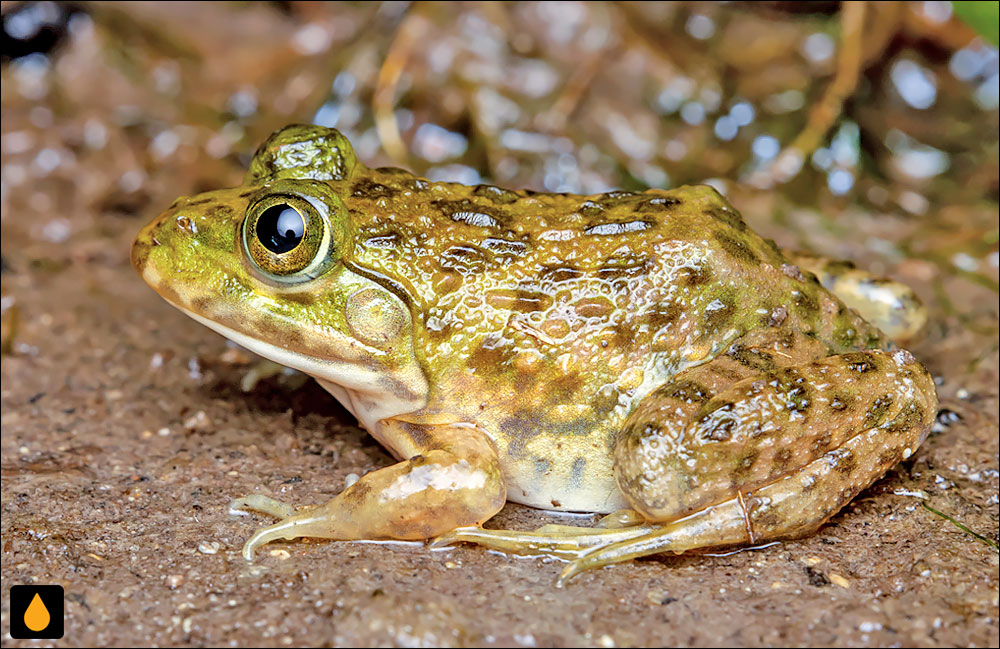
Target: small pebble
[
  {"x": 840, "y": 581},
  {"x": 206, "y": 547}
]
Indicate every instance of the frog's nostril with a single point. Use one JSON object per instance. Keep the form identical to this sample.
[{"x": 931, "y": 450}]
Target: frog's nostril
[{"x": 186, "y": 224}]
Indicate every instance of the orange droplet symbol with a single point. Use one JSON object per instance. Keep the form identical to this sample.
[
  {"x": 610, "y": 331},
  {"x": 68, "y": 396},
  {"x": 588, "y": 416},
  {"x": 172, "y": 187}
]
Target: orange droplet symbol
[{"x": 36, "y": 617}]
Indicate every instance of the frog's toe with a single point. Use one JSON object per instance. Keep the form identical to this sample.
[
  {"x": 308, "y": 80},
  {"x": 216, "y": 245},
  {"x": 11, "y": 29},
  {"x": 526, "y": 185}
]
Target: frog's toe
[
  {"x": 655, "y": 539},
  {"x": 262, "y": 504},
  {"x": 291, "y": 527},
  {"x": 560, "y": 541}
]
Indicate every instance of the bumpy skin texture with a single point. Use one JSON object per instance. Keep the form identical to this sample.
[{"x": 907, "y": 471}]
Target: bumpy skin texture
[{"x": 597, "y": 352}]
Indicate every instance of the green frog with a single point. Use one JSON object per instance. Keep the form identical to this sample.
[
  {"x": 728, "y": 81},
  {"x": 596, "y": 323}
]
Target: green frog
[{"x": 643, "y": 355}]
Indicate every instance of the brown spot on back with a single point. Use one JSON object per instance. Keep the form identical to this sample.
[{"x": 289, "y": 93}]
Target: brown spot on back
[
  {"x": 657, "y": 204},
  {"x": 594, "y": 307},
  {"x": 728, "y": 216},
  {"x": 463, "y": 259},
  {"x": 890, "y": 457},
  {"x": 718, "y": 424},
  {"x": 414, "y": 184},
  {"x": 470, "y": 213},
  {"x": 371, "y": 190},
  {"x": 844, "y": 462},
  {"x": 746, "y": 462},
  {"x": 359, "y": 491},
  {"x": 590, "y": 209},
  {"x": 738, "y": 249},
  {"x": 860, "y": 362},
  {"x": 495, "y": 194},
  {"x": 493, "y": 357},
  {"x": 718, "y": 313},
  {"x": 624, "y": 335},
  {"x": 913, "y": 416},
  {"x": 560, "y": 273},
  {"x": 840, "y": 402},
  {"x": 685, "y": 390},
  {"x": 608, "y": 229},
  {"x": 505, "y": 247},
  {"x": 302, "y": 297},
  {"x": 876, "y": 413},
  {"x": 791, "y": 385},
  {"x": 663, "y": 314},
  {"x": 518, "y": 300},
  {"x": 626, "y": 265},
  {"x": 753, "y": 358},
  {"x": 779, "y": 465},
  {"x": 777, "y": 316},
  {"x": 806, "y": 303},
  {"x": 822, "y": 442},
  {"x": 694, "y": 275}
]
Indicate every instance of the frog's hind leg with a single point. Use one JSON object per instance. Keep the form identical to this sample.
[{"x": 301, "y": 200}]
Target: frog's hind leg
[
  {"x": 889, "y": 305},
  {"x": 771, "y": 457}
]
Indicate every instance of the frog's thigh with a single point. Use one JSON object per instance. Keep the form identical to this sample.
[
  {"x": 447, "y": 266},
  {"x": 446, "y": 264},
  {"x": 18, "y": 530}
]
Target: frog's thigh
[
  {"x": 891, "y": 306},
  {"x": 773, "y": 456},
  {"x": 451, "y": 479}
]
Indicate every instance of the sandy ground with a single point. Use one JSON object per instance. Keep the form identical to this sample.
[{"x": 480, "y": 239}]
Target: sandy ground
[{"x": 125, "y": 434}]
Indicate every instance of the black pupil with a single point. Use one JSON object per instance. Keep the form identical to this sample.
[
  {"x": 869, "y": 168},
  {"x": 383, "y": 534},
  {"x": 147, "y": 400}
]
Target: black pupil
[{"x": 280, "y": 228}]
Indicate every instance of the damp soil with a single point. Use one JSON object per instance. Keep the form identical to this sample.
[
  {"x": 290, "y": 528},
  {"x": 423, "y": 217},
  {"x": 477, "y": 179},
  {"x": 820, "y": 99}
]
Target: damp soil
[{"x": 125, "y": 432}]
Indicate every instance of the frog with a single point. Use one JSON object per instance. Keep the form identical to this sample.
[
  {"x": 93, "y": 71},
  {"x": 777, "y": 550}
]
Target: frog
[{"x": 638, "y": 355}]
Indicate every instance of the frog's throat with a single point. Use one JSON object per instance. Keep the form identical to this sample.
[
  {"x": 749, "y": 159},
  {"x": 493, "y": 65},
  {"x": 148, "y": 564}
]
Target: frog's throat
[{"x": 369, "y": 395}]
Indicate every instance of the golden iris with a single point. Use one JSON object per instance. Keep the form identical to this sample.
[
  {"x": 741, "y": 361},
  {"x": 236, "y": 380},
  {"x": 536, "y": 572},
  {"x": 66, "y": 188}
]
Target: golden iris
[{"x": 285, "y": 237}]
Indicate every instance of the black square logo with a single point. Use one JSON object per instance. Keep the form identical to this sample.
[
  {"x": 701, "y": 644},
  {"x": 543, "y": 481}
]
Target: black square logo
[{"x": 37, "y": 612}]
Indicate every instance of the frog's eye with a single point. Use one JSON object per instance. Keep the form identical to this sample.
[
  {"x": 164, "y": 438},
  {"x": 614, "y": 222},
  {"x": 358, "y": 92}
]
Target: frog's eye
[{"x": 286, "y": 238}]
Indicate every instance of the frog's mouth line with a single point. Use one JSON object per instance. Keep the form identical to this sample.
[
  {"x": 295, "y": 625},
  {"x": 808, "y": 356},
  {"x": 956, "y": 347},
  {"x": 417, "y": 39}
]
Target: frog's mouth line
[{"x": 351, "y": 377}]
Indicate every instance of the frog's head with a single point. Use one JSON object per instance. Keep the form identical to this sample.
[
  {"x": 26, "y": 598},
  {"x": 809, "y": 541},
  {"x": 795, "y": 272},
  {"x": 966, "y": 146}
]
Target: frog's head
[{"x": 267, "y": 264}]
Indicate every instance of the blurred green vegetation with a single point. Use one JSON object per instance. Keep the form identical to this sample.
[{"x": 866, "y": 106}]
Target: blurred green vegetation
[{"x": 984, "y": 17}]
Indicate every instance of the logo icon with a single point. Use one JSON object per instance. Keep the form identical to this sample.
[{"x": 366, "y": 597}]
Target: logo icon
[{"x": 37, "y": 612}]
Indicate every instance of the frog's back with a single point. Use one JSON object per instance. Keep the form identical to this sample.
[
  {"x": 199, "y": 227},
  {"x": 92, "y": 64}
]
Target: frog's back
[{"x": 455, "y": 233}]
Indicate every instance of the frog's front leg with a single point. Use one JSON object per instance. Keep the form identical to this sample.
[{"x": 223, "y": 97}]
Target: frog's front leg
[
  {"x": 451, "y": 479},
  {"x": 767, "y": 457}
]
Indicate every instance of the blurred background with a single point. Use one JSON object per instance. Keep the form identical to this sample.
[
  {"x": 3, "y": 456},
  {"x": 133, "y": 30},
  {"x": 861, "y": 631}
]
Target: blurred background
[{"x": 867, "y": 131}]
